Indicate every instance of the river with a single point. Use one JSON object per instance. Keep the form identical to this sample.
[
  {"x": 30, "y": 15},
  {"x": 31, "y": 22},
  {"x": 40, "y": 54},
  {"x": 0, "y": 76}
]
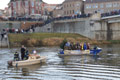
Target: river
[{"x": 106, "y": 66}]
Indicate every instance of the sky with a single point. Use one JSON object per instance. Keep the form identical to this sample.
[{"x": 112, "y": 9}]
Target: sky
[{"x": 4, "y": 3}]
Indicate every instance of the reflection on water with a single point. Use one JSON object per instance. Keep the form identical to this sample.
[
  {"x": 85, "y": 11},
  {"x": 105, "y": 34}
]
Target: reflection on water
[
  {"x": 84, "y": 59},
  {"x": 106, "y": 66},
  {"x": 26, "y": 70}
]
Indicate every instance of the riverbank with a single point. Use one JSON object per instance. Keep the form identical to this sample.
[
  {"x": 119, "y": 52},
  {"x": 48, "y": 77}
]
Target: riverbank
[{"x": 47, "y": 39}]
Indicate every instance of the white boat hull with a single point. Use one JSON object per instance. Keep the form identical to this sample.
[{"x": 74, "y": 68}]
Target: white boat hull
[
  {"x": 76, "y": 52},
  {"x": 28, "y": 62},
  {"x": 33, "y": 59},
  {"x": 80, "y": 52}
]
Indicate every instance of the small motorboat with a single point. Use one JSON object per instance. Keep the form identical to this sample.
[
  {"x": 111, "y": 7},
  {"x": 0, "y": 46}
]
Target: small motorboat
[
  {"x": 33, "y": 59},
  {"x": 80, "y": 52}
]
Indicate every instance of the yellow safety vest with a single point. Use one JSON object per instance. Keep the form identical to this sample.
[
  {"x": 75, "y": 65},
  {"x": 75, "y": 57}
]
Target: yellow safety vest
[{"x": 82, "y": 47}]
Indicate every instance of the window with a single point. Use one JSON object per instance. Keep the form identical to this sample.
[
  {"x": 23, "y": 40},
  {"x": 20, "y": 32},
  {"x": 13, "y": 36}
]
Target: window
[
  {"x": 108, "y": 5},
  {"x": 73, "y": 5},
  {"x": 14, "y": 4},
  {"x": 73, "y": 11},
  {"x": 101, "y": 11},
  {"x": 77, "y": 4},
  {"x": 70, "y": 5},
  {"x": 70, "y": 11},
  {"x": 67, "y": 5},
  {"x": 65, "y": 12},
  {"x": 32, "y": 11},
  {"x": 39, "y": 3},
  {"x": 118, "y": 4},
  {"x": 115, "y": 5},
  {"x": 32, "y": 3},
  {"x": 88, "y": 6},
  {"x": 19, "y": 5},
  {"x": 64, "y": 6},
  {"x": 101, "y": 5},
  {"x": 95, "y": 6},
  {"x": 26, "y": 3}
]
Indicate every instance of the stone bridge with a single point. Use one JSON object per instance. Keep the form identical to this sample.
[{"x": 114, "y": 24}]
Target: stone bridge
[
  {"x": 109, "y": 28},
  {"x": 94, "y": 27}
]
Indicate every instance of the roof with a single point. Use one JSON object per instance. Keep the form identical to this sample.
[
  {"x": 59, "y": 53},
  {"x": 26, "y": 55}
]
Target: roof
[{"x": 99, "y": 1}]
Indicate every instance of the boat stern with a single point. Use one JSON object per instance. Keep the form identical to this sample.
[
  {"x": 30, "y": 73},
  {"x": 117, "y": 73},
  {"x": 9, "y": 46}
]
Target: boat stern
[
  {"x": 95, "y": 51},
  {"x": 9, "y": 63}
]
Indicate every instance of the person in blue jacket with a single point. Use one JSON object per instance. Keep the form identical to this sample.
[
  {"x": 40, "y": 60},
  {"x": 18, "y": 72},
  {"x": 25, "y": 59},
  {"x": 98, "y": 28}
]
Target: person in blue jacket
[{"x": 85, "y": 46}]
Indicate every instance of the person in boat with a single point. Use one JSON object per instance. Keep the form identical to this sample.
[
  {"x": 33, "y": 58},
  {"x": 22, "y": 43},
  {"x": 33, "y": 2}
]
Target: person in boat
[
  {"x": 88, "y": 46},
  {"x": 62, "y": 45},
  {"x": 72, "y": 46},
  {"x": 67, "y": 46},
  {"x": 77, "y": 46},
  {"x": 95, "y": 47},
  {"x": 16, "y": 56},
  {"x": 80, "y": 46},
  {"x": 26, "y": 55},
  {"x": 34, "y": 52},
  {"x": 84, "y": 46},
  {"x": 22, "y": 52}
]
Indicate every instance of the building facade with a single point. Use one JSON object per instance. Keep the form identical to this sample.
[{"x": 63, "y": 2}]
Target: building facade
[
  {"x": 1, "y": 12},
  {"x": 102, "y": 6},
  {"x": 58, "y": 11},
  {"x": 25, "y": 8},
  {"x": 71, "y": 7},
  {"x": 48, "y": 8}
]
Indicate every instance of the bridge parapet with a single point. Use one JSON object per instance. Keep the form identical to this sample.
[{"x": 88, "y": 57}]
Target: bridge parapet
[
  {"x": 110, "y": 17},
  {"x": 96, "y": 16},
  {"x": 71, "y": 20}
]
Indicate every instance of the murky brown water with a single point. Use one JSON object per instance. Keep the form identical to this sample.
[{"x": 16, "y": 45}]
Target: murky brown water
[{"x": 106, "y": 66}]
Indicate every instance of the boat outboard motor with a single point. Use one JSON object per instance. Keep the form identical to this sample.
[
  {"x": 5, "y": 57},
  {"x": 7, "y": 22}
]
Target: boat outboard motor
[
  {"x": 9, "y": 63},
  {"x": 95, "y": 50}
]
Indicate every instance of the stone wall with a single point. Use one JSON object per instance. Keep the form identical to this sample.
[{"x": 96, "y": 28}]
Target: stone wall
[
  {"x": 46, "y": 28},
  {"x": 7, "y": 24},
  {"x": 114, "y": 31},
  {"x": 80, "y": 26}
]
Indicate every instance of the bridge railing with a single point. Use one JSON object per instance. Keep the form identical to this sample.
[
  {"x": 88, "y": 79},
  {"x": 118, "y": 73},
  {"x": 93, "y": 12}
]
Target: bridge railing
[
  {"x": 112, "y": 13},
  {"x": 66, "y": 18},
  {"x": 21, "y": 19}
]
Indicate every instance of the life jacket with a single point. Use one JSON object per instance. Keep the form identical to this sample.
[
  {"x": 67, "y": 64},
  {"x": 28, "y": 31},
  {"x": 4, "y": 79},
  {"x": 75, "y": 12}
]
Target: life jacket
[
  {"x": 84, "y": 46},
  {"x": 16, "y": 56}
]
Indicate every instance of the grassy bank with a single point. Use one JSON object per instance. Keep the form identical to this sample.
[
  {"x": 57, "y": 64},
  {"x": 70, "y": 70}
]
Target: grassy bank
[
  {"x": 114, "y": 41},
  {"x": 46, "y": 39}
]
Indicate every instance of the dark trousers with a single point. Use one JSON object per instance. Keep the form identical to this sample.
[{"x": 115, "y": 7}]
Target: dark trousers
[{"x": 22, "y": 56}]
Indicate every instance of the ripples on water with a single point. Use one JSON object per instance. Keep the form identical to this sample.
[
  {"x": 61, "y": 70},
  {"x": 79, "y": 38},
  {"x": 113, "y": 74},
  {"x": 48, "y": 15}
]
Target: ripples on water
[{"x": 106, "y": 66}]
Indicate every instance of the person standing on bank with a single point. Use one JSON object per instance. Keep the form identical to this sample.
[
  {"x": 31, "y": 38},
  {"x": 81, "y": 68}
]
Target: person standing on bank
[{"x": 22, "y": 52}]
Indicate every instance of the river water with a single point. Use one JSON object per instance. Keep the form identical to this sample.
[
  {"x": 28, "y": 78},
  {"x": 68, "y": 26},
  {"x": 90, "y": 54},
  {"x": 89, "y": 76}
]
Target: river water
[{"x": 106, "y": 66}]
